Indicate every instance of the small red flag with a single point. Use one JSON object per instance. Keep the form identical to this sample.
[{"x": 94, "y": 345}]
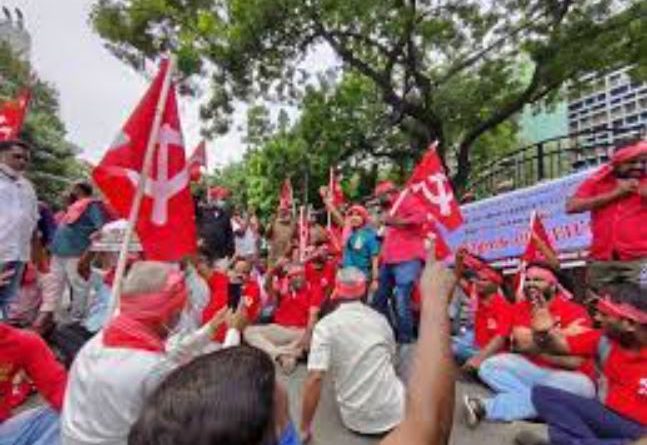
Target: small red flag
[
  {"x": 335, "y": 190},
  {"x": 197, "y": 161},
  {"x": 532, "y": 251},
  {"x": 286, "y": 199},
  {"x": 12, "y": 115},
  {"x": 166, "y": 221}
]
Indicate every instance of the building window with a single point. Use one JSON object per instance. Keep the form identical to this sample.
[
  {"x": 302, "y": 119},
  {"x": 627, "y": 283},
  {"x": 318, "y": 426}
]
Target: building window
[{"x": 619, "y": 90}]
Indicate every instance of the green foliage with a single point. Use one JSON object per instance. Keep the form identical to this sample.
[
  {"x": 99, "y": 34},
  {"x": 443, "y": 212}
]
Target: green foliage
[
  {"x": 444, "y": 70},
  {"x": 53, "y": 160}
]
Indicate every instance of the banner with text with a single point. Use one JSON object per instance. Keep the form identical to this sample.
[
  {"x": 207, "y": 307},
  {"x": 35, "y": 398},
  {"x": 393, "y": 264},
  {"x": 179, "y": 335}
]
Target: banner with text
[{"x": 497, "y": 228}]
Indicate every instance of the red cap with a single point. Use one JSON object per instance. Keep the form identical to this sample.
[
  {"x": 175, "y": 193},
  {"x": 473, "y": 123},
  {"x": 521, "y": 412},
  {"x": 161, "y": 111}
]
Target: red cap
[
  {"x": 384, "y": 187},
  {"x": 218, "y": 192}
]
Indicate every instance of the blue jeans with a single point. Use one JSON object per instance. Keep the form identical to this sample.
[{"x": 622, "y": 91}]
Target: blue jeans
[
  {"x": 38, "y": 426},
  {"x": 463, "y": 346},
  {"x": 513, "y": 377},
  {"x": 289, "y": 436},
  {"x": 9, "y": 291},
  {"x": 396, "y": 282},
  {"x": 573, "y": 419}
]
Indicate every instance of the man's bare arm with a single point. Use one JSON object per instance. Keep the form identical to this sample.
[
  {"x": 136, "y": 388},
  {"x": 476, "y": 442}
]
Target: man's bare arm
[{"x": 430, "y": 403}]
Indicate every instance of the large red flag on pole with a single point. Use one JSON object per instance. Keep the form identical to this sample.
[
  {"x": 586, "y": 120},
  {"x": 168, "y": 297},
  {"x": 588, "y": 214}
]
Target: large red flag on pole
[
  {"x": 144, "y": 174},
  {"x": 12, "y": 115},
  {"x": 197, "y": 161},
  {"x": 430, "y": 184}
]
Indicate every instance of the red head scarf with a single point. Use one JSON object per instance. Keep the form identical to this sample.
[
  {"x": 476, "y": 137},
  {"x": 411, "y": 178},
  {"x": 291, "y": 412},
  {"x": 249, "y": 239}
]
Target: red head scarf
[
  {"x": 361, "y": 211},
  {"x": 141, "y": 314}
]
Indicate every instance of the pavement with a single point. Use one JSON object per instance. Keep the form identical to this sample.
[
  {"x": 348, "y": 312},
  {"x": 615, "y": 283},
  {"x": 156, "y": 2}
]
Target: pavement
[{"x": 329, "y": 430}]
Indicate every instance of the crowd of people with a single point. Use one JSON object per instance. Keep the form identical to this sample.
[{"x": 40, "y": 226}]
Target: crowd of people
[{"x": 188, "y": 352}]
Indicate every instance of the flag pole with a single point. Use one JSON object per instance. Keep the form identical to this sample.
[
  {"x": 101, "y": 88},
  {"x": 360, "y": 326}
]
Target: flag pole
[
  {"x": 331, "y": 185},
  {"x": 141, "y": 185}
]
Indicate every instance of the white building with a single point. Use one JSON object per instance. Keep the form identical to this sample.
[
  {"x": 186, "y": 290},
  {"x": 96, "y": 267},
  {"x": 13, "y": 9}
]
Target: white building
[{"x": 610, "y": 101}]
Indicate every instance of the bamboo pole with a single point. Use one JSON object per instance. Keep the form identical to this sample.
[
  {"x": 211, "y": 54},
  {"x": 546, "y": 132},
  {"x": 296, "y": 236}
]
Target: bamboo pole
[{"x": 141, "y": 185}]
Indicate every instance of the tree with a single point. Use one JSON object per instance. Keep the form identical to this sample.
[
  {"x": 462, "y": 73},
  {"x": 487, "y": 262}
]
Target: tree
[
  {"x": 53, "y": 163},
  {"x": 445, "y": 70}
]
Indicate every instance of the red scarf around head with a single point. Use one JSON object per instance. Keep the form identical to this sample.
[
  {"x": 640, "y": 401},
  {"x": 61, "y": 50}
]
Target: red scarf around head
[{"x": 140, "y": 315}]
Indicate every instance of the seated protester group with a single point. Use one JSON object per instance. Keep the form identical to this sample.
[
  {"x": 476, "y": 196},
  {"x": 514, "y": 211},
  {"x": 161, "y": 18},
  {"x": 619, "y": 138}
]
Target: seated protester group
[
  {"x": 22, "y": 351},
  {"x": 232, "y": 396},
  {"x": 120, "y": 366},
  {"x": 512, "y": 376},
  {"x": 233, "y": 289},
  {"x": 297, "y": 310},
  {"x": 619, "y": 415},
  {"x": 492, "y": 315},
  {"x": 356, "y": 346}
]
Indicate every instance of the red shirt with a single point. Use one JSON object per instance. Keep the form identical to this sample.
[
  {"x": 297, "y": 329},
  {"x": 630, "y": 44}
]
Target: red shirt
[
  {"x": 22, "y": 350},
  {"x": 219, "y": 286},
  {"x": 406, "y": 243},
  {"x": 294, "y": 307},
  {"x": 619, "y": 229},
  {"x": 324, "y": 277},
  {"x": 493, "y": 318},
  {"x": 564, "y": 312},
  {"x": 623, "y": 383}
]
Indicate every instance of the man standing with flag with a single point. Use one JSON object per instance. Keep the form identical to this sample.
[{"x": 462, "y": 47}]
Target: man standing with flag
[{"x": 18, "y": 217}]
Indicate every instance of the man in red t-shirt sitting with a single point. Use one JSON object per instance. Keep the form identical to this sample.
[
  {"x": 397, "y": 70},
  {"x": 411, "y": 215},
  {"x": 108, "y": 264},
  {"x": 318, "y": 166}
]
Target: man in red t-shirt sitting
[
  {"x": 24, "y": 351},
  {"x": 513, "y": 376},
  {"x": 616, "y": 196},
  {"x": 620, "y": 350},
  {"x": 236, "y": 289},
  {"x": 493, "y": 317},
  {"x": 297, "y": 311}
]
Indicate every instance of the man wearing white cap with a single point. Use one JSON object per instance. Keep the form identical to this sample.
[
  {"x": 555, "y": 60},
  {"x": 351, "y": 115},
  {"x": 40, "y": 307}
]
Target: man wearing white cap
[{"x": 357, "y": 346}]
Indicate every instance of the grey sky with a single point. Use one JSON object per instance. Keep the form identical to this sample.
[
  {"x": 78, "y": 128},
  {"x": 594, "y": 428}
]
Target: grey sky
[{"x": 97, "y": 91}]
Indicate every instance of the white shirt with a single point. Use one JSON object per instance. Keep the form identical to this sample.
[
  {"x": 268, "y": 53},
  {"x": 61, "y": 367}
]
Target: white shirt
[
  {"x": 356, "y": 345},
  {"x": 107, "y": 387},
  {"x": 246, "y": 244},
  {"x": 18, "y": 216}
]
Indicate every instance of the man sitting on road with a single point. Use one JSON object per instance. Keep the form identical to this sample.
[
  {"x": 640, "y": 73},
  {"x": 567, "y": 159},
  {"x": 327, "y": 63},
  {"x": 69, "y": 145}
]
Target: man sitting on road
[
  {"x": 296, "y": 313},
  {"x": 356, "y": 345},
  {"x": 493, "y": 315},
  {"x": 513, "y": 376},
  {"x": 620, "y": 349}
]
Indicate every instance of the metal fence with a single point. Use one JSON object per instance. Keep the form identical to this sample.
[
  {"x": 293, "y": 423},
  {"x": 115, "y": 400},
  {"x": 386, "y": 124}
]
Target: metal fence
[{"x": 548, "y": 159}]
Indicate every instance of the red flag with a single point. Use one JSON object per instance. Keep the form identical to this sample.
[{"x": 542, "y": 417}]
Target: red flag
[
  {"x": 166, "y": 220},
  {"x": 197, "y": 161},
  {"x": 335, "y": 190},
  {"x": 429, "y": 182},
  {"x": 533, "y": 251},
  {"x": 304, "y": 231},
  {"x": 286, "y": 199},
  {"x": 442, "y": 248},
  {"x": 12, "y": 115}
]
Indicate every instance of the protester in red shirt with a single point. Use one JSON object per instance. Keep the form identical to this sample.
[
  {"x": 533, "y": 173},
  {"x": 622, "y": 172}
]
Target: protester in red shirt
[
  {"x": 493, "y": 317},
  {"x": 320, "y": 269},
  {"x": 24, "y": 351},
  {"x": 616, "y": 196},
  {"x": 235, "y": 289},
  {"x": 513, "y": 375},
  {"x": 620, "y": 349},
  {"x": 296, "y": 313},
  {"x": 402, "y": 257}
]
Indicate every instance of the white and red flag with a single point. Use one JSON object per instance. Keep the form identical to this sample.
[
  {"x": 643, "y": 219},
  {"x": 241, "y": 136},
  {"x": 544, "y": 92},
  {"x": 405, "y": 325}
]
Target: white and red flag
[
  {"x": 197, "y": 161},
  {"x": 12, "y": 115},
  {"x": 431, "y": 185},
  {"x": 335, "y": 190},
  {"x": 166, "y": 220}
]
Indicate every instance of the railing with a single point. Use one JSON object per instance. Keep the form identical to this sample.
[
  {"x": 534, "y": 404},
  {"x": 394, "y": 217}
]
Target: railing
[{"x": 548, "y": 159}]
